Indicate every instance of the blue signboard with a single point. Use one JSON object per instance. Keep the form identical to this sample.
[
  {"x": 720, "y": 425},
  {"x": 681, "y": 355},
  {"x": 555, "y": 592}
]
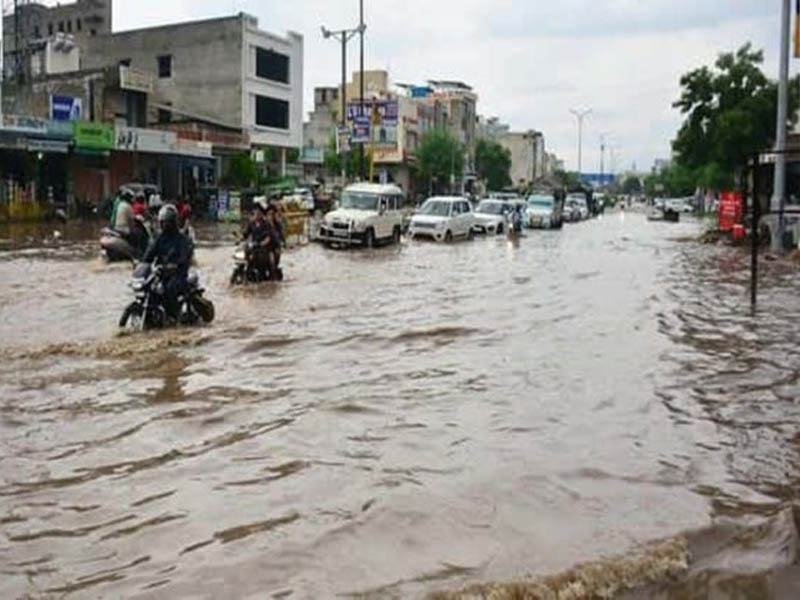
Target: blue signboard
[
  {"x": 361, "y": 129},
  {"x": 597, "y": 179},
  {"x": 65, "y": 108}
]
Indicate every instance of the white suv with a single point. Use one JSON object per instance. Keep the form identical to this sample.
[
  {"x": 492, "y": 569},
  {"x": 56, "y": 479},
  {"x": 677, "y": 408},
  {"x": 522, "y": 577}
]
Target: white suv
[
  {"x": 443, "y": 219},
  {"x": 368, "y": 214}
]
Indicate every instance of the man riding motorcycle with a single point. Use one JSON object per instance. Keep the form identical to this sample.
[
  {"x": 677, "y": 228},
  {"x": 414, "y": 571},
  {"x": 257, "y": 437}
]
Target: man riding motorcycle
[
  {"x": 173, "y": 251},
  {"x": 126, "y": 222},
  {"x": 259, "y": 234}
]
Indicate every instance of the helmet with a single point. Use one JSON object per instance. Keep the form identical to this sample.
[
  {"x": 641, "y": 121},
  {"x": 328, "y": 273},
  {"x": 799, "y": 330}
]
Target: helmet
[
  {"x": 168, "y": 219},
  {"x": 155, "y": 202},
  {"x": 126, "y": 195}
]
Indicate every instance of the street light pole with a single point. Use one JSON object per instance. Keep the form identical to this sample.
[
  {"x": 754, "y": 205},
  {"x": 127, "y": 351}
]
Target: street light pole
[
  {"x": 580, "y": 115},
  {"x": 344, "y": 36},
  {"x": 778, "y": 202},
  {"x": 362, "y": 29}
]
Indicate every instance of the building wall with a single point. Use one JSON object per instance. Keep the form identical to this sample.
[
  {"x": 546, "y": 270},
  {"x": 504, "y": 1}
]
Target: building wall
[
  {"x": 523, "y": 156},
  {"x": 206, "y": 79},
  {"x": 34, "y": 99},
  {"x": 291, "y": 46},
  {"x": 83, "y": 19}
]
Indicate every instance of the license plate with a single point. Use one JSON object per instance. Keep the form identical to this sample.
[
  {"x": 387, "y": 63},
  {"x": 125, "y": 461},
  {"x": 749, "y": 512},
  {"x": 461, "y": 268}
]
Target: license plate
[{"x": 340, "y": 232}]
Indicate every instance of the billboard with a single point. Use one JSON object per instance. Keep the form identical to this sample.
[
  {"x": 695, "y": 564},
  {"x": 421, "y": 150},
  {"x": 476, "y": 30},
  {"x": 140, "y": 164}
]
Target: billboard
[
  {"x": 362, "y": 127},
  {"x": 65, "y": 108},
  {"x": 387, "y": 110}
]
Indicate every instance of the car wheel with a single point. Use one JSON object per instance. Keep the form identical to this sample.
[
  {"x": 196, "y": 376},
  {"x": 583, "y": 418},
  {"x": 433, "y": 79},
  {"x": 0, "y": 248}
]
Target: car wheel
[
  {"x": 448, "y": 237},
  {"x": 470, "y": 234},
  {"x": 369, "y": 239},
  {"x": 396, "y": 236},
  {"x": 499, "y": 230}
]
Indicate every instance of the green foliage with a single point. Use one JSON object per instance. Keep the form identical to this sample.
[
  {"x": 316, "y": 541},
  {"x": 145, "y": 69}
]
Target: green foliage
[
  {"x": 439, "y": 156},
  {"x": 568, "y": 179},
  {"x": 675, "y": 182},
  {"x": 242, "y": 171},
  {"x": 730, "y": 113},
  {"x": 333, "y": 161},
  {"x": 493, "y": 163},
  {"x": 632, "y": 185}
]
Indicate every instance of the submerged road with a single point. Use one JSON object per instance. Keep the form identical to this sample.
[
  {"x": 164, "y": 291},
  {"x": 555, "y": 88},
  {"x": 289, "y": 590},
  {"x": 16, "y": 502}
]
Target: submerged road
[{"x": 392, "y": 422}]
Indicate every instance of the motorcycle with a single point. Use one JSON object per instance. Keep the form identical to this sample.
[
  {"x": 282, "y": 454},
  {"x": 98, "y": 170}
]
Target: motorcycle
[
  {"x": 148, "y": 310},
  {"x": 246, "y": 271},
  {"x": 118, "y": 248},
  {"x": 515, "y": 225}
]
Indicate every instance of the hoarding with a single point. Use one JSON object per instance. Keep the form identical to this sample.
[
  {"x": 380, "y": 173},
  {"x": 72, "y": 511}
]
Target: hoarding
[{"x": 65, "y": 108}]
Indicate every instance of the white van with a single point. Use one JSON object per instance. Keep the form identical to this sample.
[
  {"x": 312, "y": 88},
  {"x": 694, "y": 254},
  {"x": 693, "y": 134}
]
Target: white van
[{"x": 368, "y": 214}]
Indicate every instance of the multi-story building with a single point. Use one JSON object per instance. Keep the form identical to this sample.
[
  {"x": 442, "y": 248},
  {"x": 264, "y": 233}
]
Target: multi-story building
[
  {"x": 34, "y": 22},
  {"x": 317, "y": 131},
  {"x": 224, "y": 71},
  {"x": 492, "y": 128},
  {"x": 527, "y": 156}
]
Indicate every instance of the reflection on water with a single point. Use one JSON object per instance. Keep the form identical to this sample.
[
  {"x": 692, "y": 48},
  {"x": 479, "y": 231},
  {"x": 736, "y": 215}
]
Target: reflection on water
[{"x": 399, "y": 422}]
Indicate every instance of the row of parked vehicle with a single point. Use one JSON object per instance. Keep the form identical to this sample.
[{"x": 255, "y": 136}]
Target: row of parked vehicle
[{"x": 370, "y": 214}]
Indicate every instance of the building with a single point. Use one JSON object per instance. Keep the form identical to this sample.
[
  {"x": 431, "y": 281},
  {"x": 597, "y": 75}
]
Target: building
[
  {"x": 528, "y": 156},
  {"x": 492, "y": 128},
  {"x": 34, "y": 22},
  {"x": 224, "y": 72},
  {"x": 317, "y": 132}
]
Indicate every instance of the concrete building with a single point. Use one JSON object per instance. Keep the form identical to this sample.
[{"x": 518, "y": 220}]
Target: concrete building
[
  {"x": 527, "y": 156},
  {"x": 224, "y": 71},
  {"x": 34, "y": 22},
  {"x": 317, "y": 131},
  {"x": 492, "y": 128}
]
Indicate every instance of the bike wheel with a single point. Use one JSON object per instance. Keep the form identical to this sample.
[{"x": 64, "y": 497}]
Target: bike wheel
[
  {"x": 204, "y": 308},
  {"x": 132, "y": 310}
]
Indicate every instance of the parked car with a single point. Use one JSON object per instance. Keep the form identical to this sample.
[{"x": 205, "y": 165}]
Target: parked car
[
  {"x": 368, "y": 215},
  {"x": 580, "y": 204},
  {"x": 571, "y": 212},
  {"x": 543, "y": 212},
  {"x": 443, "y": 218},
  {"x": 490, "y": 216}
]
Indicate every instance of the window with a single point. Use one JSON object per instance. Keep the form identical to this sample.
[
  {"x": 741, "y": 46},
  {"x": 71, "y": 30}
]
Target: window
[
  {"x": 93, "y": 32},
  {"x": 165, "y": 66},
  {"x": 37, "y": 33},
  {"x": 466, "y": 208},
  {"x": 49, "y": 29},
  {"x": 164, "y": 116},
  {"x": 272, "y": 65},
  {"x": 271, "y": 112},
  {"x": 125, "y": 62},
  {"x": 61, "y": 26},
  {"x": 78, "y": 24},
  {"x": 69, "y": 26}
]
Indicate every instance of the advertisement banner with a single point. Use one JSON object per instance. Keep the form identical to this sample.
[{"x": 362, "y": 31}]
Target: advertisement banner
[
  {"x": 135, "y": 139},
  {"x": 731, "y": 210},
  {"x": 362, "y": 128},
  {"x": 387, "y": 110},
  {"x": 94, "y": 136},
  {"x": 343, "y": 140},
  {"x": 22, "y": 124},
  {"x": 51, "y": 146},
  {"x": 65, "y": 108}
]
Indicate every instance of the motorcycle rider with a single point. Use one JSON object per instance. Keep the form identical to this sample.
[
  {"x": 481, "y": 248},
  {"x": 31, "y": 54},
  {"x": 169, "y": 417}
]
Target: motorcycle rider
[
  {"x": 258, "y": 232},
  {"x": 516, "y": 218},
  {"x": 276, "y": 241},
  {"x": 172, "y": 250},
  {"x": 125, "y": 222}
]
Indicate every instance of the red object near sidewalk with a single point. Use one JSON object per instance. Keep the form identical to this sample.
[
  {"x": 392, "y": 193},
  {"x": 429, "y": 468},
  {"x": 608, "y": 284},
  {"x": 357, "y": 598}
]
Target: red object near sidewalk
[
  {"x": 731, "y": 210},
  {"x": 738, "y": 232}
]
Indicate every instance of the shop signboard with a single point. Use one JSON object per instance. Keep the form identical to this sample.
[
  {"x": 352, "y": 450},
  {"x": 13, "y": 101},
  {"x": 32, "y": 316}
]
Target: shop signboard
[
  {"x": 362, "y": 127},
  {"x": 135, "y": 81},
  {"x": 94, "y": 136},
  {"x": 65, "y": 108},
  {"x": 135, "y": 139},
  {"x": 342, "y": 140},
  {"x": 24, "y": 124},
  {"x": 48, "y": 146},
  {"x": 731, "y": 210}
]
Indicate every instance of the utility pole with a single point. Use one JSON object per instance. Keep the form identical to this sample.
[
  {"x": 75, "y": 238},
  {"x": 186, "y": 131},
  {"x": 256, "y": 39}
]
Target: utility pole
[
  {"x": 580, "y": 115},
  {"x": 344, "y": 36},
  {"x": 362, "y": 28},
  {"x": 778, "y": 203},
  {"x": 603, "y": 155}
]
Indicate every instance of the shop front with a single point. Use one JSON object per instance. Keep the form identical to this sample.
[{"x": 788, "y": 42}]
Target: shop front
[{"x": 90, "y": 165}]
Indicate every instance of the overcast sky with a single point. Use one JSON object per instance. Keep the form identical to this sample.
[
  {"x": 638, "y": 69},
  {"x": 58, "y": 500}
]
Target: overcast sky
[{"x": 528, "y": 60}]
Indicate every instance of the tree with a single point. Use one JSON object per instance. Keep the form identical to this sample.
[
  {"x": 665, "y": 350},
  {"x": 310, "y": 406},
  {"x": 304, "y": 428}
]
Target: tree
[
  {"x": 439, "y": 156},
  {"x": 242, "y": 171},
  {"x": 493, "y": 163},
  {"x": 333, "y": 160},
  {"x": 730, "y": 113},
  {"x": 632, "y": 185},
  {"x": 568, "y": 179}
]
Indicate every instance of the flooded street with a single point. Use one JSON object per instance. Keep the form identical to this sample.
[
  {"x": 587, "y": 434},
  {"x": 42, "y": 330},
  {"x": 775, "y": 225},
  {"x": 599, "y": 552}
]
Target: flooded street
[{"x": 393, "y": 422}]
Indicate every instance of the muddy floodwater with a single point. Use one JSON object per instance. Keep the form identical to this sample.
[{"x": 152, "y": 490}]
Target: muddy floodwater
[{"x": 397, "y": 422}]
